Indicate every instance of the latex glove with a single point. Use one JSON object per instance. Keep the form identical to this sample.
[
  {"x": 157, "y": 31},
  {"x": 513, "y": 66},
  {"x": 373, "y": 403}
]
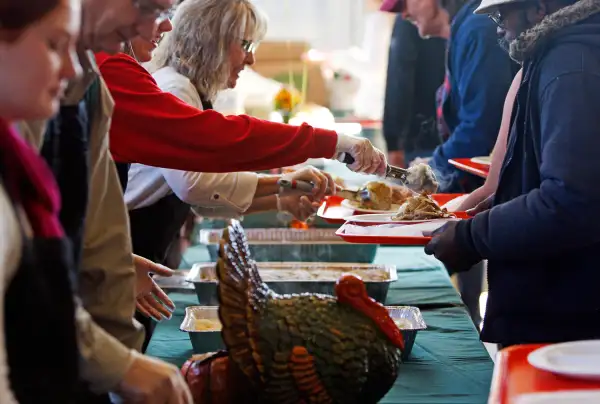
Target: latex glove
[
  {"x": 151, "y": 300},
  {"x": 482, "y": 206},
  {"x": 445, "y": 247},
  {"x": 302, "y": 207},
  {"x": 151, "y": 381},
  {"x": 323, "y": 182},
  {"x": 367, "y": 158}
]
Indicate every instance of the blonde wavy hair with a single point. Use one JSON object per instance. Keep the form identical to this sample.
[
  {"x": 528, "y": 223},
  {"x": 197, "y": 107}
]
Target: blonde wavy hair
[{"x": 203, "y": 32}]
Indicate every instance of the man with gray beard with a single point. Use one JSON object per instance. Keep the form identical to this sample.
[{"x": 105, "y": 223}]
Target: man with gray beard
[{"x": 541, "y": 234}]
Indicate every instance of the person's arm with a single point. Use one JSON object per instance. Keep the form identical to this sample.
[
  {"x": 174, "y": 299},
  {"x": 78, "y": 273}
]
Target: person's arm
[
  {"x": 499, "y": 151},
  {"x": 484, "y": 76},
  {"x": 155, "y": 128},
  {"x": 234, "y": 191},
  {"x": 559, "y": 215},
  {"x": 107, "y": 275},
  {"x": 400, "y": 84}
]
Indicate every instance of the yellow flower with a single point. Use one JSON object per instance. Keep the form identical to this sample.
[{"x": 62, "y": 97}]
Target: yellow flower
[{"x": 287, "y": 99}]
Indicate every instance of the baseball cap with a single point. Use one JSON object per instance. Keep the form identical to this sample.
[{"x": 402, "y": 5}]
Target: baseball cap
[{"x": 489, "y": 6}]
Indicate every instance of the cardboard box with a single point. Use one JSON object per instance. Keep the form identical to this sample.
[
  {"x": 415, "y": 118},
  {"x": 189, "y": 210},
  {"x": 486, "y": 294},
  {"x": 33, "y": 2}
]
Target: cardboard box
[
  {"x": 270, "y": 51},
  {"x": 316, "y": 90}
]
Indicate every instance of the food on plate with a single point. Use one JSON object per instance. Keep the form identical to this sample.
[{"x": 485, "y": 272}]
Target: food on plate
[
  {"x": 378, "y": 195},
  {"x": 421, "y": 207},
  {"x": 421, "y": 178},
  {"x": 403, "y": 323},
  {"x": 206, "y": 324},
  {"x": 330, "y": 274}
]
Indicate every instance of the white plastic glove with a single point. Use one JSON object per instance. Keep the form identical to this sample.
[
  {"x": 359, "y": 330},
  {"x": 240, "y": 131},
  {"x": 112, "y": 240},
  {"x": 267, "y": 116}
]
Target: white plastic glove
[
  {"x": 151, "y": 381},
  {"x": 367, "y": 158},
  {"x": 323, "y": 182}
]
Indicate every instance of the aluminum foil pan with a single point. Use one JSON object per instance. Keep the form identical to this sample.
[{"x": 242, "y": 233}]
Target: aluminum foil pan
[
  {"x": 177, "y": 282},
  {"x": 277, "y": 236},
  {"x": 408, "y": 318},
  {"x": 296, "y": 276}
]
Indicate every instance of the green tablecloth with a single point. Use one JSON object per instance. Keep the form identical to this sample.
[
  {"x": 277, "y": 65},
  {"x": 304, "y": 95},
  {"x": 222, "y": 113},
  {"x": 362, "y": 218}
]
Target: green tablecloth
[{"x": 448, "y": 363}]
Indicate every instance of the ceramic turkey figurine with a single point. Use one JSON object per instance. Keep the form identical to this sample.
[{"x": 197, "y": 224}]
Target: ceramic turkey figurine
[{"x": 294, "y": 349}]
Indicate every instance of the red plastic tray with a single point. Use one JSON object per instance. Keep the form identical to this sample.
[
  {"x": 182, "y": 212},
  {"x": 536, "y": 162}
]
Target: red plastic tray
[
  {"x": 332, "y": 212},
  {"x": 383, "y": 240},
  {"x": 481, "y": 170},
  {"x": 513, "y": 376}
]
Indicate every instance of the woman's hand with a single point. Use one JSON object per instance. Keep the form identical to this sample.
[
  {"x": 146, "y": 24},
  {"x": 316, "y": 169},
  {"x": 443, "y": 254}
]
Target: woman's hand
[
  {"x": 367, "y": 158},
  {"x": 151, "y": 300},
  {"x": 302, "y": 207},
  {"x": 323, "y": 182}
]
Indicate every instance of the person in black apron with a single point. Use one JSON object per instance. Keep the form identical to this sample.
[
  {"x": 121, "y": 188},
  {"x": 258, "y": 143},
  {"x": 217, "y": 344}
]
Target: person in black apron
[{"x": 39, "y": 308}]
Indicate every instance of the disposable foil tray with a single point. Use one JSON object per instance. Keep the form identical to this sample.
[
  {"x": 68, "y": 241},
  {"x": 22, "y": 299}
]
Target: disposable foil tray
[
  {"x": 299, "y": 277},
  {"x": 409, "y": 320}
]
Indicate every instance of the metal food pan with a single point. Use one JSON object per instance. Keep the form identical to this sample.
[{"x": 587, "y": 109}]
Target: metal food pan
[
  {"x": 307, "y": 245},
  {"x": 202, "y": 341},
  {"x": 276, "y": 236},
  {"x": 211, "y": 341},
  {"x": 413, "y": 323},
  {"x": 204, "y": 278}
]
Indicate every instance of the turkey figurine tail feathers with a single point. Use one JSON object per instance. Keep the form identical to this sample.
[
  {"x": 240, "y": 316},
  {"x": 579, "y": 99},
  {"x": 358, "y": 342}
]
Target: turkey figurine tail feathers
[{"x": 242, "y": 294}]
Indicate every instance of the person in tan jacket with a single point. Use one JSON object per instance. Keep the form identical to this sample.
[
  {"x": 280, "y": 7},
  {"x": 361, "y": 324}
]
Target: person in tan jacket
[{"x": 108, "y": 336}]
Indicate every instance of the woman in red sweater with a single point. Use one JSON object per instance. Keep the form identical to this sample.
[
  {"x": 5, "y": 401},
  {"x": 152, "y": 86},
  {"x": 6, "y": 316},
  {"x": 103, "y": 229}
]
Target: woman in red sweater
[{"x": 155, "y": 128}]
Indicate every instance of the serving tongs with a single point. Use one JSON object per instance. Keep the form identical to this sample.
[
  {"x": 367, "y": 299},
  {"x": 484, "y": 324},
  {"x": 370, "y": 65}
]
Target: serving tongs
[
  {"x": 397, "y": 173},
  {"x": 307, "y": 187},
  {"x": 412, "y": 178}
]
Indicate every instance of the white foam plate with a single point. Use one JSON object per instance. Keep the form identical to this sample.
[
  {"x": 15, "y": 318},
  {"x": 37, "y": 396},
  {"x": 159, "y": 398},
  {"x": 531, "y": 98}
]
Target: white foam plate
[
  {"x": 453, "y": 204},
  {"x": 486, "y": 160},
  {"x": 579, "y": 359},
  {"x": 560, "y": 397}
]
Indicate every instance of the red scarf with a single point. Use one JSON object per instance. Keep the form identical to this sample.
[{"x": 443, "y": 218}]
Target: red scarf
[{"x": 30, "y": 183}]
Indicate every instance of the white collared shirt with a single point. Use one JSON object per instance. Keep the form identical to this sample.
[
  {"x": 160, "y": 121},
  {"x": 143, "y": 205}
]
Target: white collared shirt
[{"x": 213, "y": 194}]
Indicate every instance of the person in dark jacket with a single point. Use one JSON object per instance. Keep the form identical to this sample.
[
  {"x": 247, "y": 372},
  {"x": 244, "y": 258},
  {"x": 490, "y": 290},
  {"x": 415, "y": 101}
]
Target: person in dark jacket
[
  {"x": 470, "y": 102},
  {"x": 415, "y": 72},
  {"x": 541, "y": 235}
]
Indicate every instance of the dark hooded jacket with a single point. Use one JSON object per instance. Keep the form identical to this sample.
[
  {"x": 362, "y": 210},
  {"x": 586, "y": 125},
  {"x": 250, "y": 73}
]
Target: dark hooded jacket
[{"x": 543, "y": 234}]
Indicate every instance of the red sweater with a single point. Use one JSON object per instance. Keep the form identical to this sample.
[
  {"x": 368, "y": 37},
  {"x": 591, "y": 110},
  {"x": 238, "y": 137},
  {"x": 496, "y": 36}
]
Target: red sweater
[{"x": 155, "y": 128}]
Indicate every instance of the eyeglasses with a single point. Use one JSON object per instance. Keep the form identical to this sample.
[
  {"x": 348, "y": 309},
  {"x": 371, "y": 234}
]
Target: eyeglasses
[
  {"x": 248, "y": 46},
  {"x": 498, "y": 18},
  {"x": 148, "y": 8}
]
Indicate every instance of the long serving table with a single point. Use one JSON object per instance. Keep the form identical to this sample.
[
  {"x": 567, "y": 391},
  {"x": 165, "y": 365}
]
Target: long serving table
[{"x": 448, "y": 363}]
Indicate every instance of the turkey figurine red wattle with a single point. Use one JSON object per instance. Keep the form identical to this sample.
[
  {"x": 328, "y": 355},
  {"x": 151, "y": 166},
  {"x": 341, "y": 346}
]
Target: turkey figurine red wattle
[
  {"x": 351, "y": 290},
  {"x": 296, "y": 349}
]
